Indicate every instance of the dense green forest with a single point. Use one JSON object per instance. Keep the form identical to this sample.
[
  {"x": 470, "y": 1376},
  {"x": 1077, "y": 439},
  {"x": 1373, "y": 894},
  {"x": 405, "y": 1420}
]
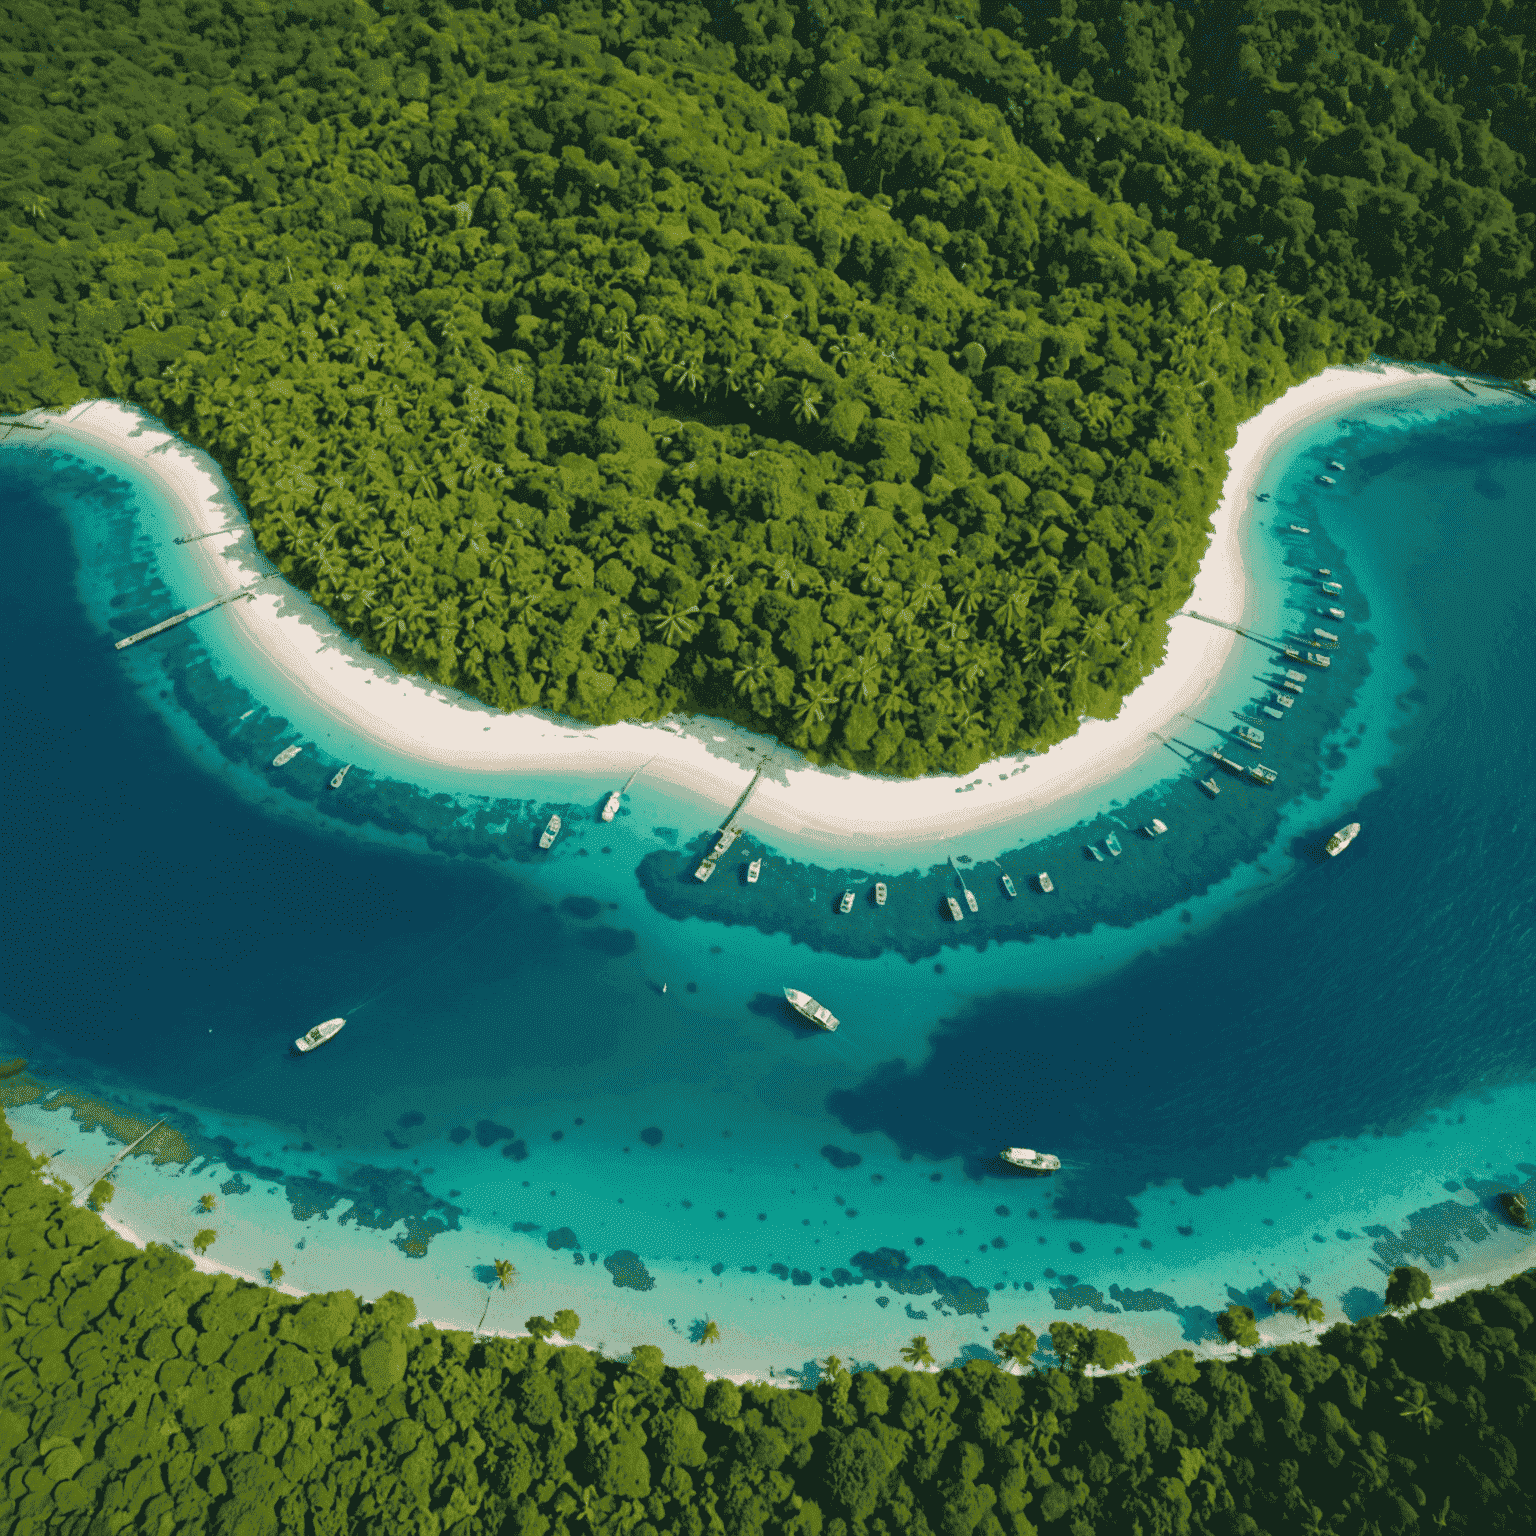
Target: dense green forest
[
  {"x": 861, "y": 374},
  {"x": 139, "y": 1395}
]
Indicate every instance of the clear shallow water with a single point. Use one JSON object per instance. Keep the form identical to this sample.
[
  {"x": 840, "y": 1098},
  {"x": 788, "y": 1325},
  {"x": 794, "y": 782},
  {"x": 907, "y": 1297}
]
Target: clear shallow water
[{"x": 1228, "y": 1002}]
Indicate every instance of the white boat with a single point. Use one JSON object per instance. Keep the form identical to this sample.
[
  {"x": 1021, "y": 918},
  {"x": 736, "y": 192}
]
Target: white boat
[
  {"x": 1327, "y": 636},
  {"x": 1027, "y": 1157},
  {"x": 1113, "y": 844},
  {"x": 1211, "y": 787},
  {"x": 550, "y": 833},
  {"x": 1045, "y": 882},
  {"x": 1324, "y": 570},
  {"x": 845, "y": 905},
  {"x": 1332, "y": 613},
  {"x": 1285, "y": 701},
  {"x": 970, "y": 898},
  {"x": 1262, "y": 775},
  {"x": 1009, "y": 887},
  {"x": 722, "y": 843},
  {"x": 808, "y": 1008},
  {"x": 1294, "y": 676},
  {"x": 1334, "y": 464},
  {"x": 1333, "y": 588},
  {"x": 340, "y": 775},
  {"x": 1297, "y": 528},
  {"x": 1094, "y": 854},
  {"x": 954, "y": 909},
  {"x": 1156, "y": 827},
  {"x": 1341, "y": 839},
  {"x": 318, "y": 1035},
  {"x": 1326, "y": 480},
  {"x": 754, "y": 869},
  {"x": 1273, "y": 713},
  {"x": 880, "y": 893},
  {"x": 704, "y": 871},
  {"x": 287, "y": 755},
  {"x": 611, "y": 806},
  {"x": 1250, "y": 734}
]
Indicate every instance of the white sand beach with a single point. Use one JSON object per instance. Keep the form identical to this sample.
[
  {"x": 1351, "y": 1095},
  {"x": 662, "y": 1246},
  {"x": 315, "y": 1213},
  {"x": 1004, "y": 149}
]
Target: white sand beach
[{"x": 713, "y": 760}]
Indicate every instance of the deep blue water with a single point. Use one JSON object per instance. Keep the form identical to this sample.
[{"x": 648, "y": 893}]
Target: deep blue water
[{"x": 174, "y": 915}]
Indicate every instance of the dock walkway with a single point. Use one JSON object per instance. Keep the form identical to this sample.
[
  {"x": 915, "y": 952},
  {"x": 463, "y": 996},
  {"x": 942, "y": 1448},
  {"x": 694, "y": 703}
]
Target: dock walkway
[{"x": 181, "y": 618}]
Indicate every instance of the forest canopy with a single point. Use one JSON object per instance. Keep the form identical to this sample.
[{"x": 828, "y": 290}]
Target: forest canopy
[
  {"x": 139, "y": 1394},
  {"x": 862, "y": 376}
]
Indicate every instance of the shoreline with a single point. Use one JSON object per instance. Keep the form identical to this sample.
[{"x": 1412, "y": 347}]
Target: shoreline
[{"x": 711, "y": 759}]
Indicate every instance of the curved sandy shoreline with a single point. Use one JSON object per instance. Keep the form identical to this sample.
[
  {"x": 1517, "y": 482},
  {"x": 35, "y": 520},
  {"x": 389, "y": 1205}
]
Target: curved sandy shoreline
[{"x": 709, "y": 758}]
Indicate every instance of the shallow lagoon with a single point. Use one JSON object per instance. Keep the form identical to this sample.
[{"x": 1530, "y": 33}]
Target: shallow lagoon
[{"x": 1254, "y": 1060}]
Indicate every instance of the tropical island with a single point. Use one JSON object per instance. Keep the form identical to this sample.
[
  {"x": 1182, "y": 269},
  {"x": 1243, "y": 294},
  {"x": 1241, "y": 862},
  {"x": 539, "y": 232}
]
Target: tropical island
[
  {"x": 139, "y": 1392},
  {"x": 861, "y": 379}
]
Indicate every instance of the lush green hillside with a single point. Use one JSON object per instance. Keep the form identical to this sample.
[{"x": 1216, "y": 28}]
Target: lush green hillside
[
  {"x": 138, "y": 1395},
  {"x": 844, "y": 373}
]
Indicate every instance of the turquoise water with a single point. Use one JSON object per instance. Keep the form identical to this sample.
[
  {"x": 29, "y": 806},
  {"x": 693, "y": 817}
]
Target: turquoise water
[{"x": 1223, "y": 1034}]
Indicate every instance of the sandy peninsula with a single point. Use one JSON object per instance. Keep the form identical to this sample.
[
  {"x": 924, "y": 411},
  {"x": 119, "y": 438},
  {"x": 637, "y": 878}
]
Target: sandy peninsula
[{"x": 708, "y": 758}]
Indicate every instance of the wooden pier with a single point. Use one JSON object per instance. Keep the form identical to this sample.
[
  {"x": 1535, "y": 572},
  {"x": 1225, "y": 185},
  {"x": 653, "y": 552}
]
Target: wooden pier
[
  {"x": 181, "y": 618},
  {"x": 192, "y": 538}
]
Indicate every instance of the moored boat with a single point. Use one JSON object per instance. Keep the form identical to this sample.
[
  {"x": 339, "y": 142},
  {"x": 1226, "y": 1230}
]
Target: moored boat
[
  {"x": 970, "y": 898},
  {"x": 1323, "y": 570},
  {"x": 1156, "y": 827},
  {"x": 1113, "y": 844},
  {"x": 1334, "y": 464},
  {"x": 1095, "y": 854},
  {"x": 1515, "y": 1208},
  {"x": 1211, "y": 787},
  {"x": 704, "y": 871},
  {"x": 287, "y": 755},
  {"x": 1285, "y": 700},
  {"x": 340, "y": 774},
  {"x": 1009, "y": 886},
  {"x": 1312, "y": 658},
  {"x": 845, "y": 903},
  {"x": 1326, "y": 636},
  {"x": 953, "y": 908},
  {"x": 1262, "y": 775},
  {"x": 880, "y": 893},
  {"x": 318, "y": 1035},
  {"x": 808, "y": 1008},
  {"x": 1326, "y": 480},
  {"x": 1292, "y": 676},
  {"x": 1273, "y": 713},
  {"x": 1297, "y": 528},
  {"x": 550, "y": 833},
  {"x": 1332, "y": 613},
  {"x": 1333, "y": 588},
  {"x": 611, "y": 806},
  {"x": 1229, "y": 763},
  {"x": 754, "y": 869},
  {"x": 1030, "y": 1160},
  {"x": 1045, "y": 882},
  {"x": 1251, "y": 735},
  {"x": 1341, "y": 840}
]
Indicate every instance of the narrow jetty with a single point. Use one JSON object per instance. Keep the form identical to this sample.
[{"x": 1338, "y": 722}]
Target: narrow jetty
[
  {"x": 85, "y": 1194},
  {"x": 181, "y": 618}
]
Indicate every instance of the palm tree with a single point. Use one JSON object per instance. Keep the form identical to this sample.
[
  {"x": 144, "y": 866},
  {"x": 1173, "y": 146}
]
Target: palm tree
[
  {"x": 926, "y": 591},
  {"x": 204, "y": 1240},
  {"x": 813, "y": 703},
  {"x": 206, "y": 1202},
  {"x": 674, "y": 623},
  {"x": 276, "y": 1272},
  {"x": 1416, "y": 1406},
  {"x": 750, "y": 676},
  {"x": 710, "y": 1332},
  {"x": 867, "y": 674},
  {"x": 506, "y": 1273},
  {"x": 805, "y": 410},
  {"x": 917, "y": 1352}
]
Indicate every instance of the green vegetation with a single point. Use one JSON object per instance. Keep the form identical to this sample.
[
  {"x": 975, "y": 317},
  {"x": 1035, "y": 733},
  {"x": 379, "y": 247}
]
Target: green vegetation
[
  {"x": 275, "y": 1273},
  {"x": 206, "y": 1202},
  {"x": 138, "y": 1395},
  {"x": 204, "y": 1240},
  {"x": 101, "y": 1193},
  {"x": 1236, "y": 1325},
  {"x": 1407, "y": 1286},
  {"x": 861, "y": 374},
  {"x": 1308, "y": 1308}
]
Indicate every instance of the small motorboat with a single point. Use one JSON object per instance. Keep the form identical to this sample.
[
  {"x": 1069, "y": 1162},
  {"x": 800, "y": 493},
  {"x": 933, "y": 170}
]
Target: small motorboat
[
  {"x": 1332, "y": 613},
  {"x": 1045, "y": 882},
  {"x": 550, "y": 833},
  {"x": 879, "y": 893},
  {"x": 319, "y": 1035},
  {"x": 1211, "y": 787},
  {"x": 1156, "y": 827},
  {"x": 845, "y": 904},
  {"x": 1027, "y": 1158},
  {"x": 953, "y": 907},
  {"x": 286, "y": 756},
  {"x": 1334, "y": 464},
  {"x": 1326, "y": 480},
  {"x": 1297, "y": 528},
  {"x": 704, "y": 871},
  {"x": 1341, "y": 840},
  {"x": 754, "y": 869},
  {"x": 340, "y": 775},
  {"x": 1273, "y": 713},
  {"x": 1009, "y": 887},
  {"x": 611, "y": 805},
  {"x": 1094, "y": 854},
  {"x": 808, "y": 1008},
  {"x": 1113, "y": 844}
]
